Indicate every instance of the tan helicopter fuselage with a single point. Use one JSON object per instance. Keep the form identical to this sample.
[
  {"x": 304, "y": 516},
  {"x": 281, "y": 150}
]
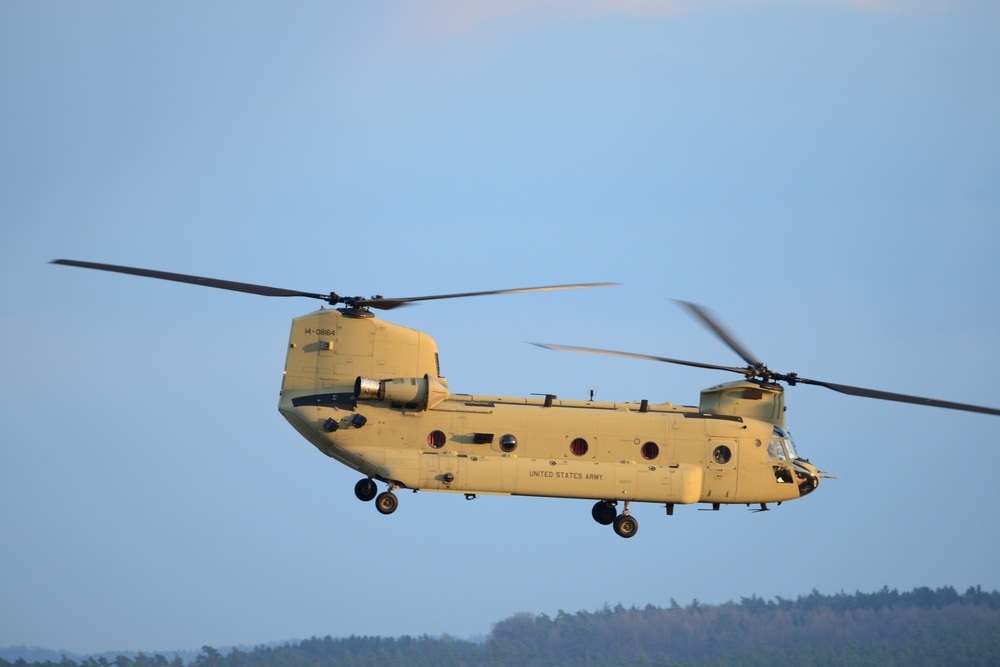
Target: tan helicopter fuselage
[{"x": 369, "y": 394}]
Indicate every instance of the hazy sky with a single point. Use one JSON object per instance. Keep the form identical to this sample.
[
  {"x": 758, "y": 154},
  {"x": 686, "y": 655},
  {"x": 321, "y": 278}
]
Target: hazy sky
[{"x": 824, "y": 175}]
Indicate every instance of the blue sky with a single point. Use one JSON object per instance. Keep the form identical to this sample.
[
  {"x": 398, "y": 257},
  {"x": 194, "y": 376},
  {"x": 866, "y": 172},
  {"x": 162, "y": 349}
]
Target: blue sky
[{"x": 823, "y": 175}]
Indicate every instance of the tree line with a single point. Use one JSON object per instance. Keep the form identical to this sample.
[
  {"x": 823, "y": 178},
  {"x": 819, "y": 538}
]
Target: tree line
[{"x": 888, "y": 627}]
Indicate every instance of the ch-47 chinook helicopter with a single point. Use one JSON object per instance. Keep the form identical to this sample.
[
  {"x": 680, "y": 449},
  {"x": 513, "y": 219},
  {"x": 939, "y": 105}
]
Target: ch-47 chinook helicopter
[{"x": 370, "y": 395}]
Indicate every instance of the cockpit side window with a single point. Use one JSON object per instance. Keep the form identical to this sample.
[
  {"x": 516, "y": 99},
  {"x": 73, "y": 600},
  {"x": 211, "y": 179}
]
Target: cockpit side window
[
  {"x": 780, "y": 447},
  {"x": 776, "y": 451},
  {"x": 790, "y": 447}
]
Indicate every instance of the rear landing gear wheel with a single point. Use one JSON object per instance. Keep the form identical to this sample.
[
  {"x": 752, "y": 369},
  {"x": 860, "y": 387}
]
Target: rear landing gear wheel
[
  {"x": 386, "y": 503},
  {"x": 365, "y": 489},
  {"x": 626, "y": 525},
  {"x": 604, "y": 512}
]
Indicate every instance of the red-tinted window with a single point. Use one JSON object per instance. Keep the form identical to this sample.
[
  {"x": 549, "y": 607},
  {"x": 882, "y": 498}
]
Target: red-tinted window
[
  {"x": 650, "y": 450},
  {"x": 436, "y": 439},
  {"x": 578, "y": 447}
]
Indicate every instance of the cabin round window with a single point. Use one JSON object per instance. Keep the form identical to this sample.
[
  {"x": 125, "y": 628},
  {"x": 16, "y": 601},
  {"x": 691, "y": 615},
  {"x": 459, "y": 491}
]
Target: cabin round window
[
  {"x": 579, "y": 447},
  {"x": 650, "y": 450},
  {"x": 436, "y": 439},
  {"x": 508, "y": 443},
  {"x": 722, "y": 454}
]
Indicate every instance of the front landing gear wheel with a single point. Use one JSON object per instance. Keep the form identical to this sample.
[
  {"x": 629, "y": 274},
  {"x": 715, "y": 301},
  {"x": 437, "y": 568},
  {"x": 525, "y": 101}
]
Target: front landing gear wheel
[
  {"x": 604, "y": 512},
  {"x": 626, "y": 525},
  {"x": 386, "y": 503},
  {"x": 365, "y": 490}
]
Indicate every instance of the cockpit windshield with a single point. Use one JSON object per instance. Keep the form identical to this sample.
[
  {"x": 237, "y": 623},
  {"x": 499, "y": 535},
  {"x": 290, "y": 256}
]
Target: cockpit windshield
[{"x": 781, "y": 447}]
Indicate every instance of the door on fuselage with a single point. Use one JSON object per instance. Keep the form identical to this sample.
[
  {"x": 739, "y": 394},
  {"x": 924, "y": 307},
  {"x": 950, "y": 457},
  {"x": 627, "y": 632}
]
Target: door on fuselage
[{"x": 720, "y": 472}]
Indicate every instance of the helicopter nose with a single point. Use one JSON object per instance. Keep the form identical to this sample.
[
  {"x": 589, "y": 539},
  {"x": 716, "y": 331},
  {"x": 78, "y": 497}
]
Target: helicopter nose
[{"x": 807, "y": 476}]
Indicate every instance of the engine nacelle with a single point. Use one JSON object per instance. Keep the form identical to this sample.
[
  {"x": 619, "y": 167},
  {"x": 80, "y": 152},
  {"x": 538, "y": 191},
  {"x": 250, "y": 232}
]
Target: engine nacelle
[{"x": 415, "y": 393}]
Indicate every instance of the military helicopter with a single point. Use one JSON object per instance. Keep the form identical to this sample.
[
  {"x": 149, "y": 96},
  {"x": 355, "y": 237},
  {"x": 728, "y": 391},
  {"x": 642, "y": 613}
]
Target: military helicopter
[{"x": 370, "y": 395}]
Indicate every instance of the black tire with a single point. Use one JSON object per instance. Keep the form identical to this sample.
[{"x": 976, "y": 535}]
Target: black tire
[
  {"x": 603, "y": 513},
  {"x": 626, "y": 525},
  {"x": 386, "y": 503},
  {"x": 365, "y": 489}
]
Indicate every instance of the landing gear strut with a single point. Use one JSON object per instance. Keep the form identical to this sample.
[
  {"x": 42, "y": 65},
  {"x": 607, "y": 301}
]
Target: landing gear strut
[
  {"x": 624, "y": 524},
  {"x": 385, "y": 502}
]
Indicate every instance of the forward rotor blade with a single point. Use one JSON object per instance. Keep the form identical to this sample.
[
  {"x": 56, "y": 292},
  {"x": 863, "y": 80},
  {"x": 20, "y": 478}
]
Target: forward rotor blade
[
  {"x": 899, "y": 398},
  {"x": 387, "y": 304},
  {"x": 791, "y": 379},
  {"x": 722, "y": 332},
  {"x": 696, "y": 364},
  {"x": 262, "y": 290}
]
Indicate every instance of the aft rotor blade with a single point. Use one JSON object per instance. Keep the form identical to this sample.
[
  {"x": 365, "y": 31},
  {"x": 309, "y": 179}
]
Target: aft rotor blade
[
  {"x": 332, "y": 298},
  {"x": 387, "y": 304},
  {"x": 899, "y": 398},
  {"x": 648, "y": 357},
  {"x": 722, "y": 332},
  {"x": 262, "y": 290}
]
